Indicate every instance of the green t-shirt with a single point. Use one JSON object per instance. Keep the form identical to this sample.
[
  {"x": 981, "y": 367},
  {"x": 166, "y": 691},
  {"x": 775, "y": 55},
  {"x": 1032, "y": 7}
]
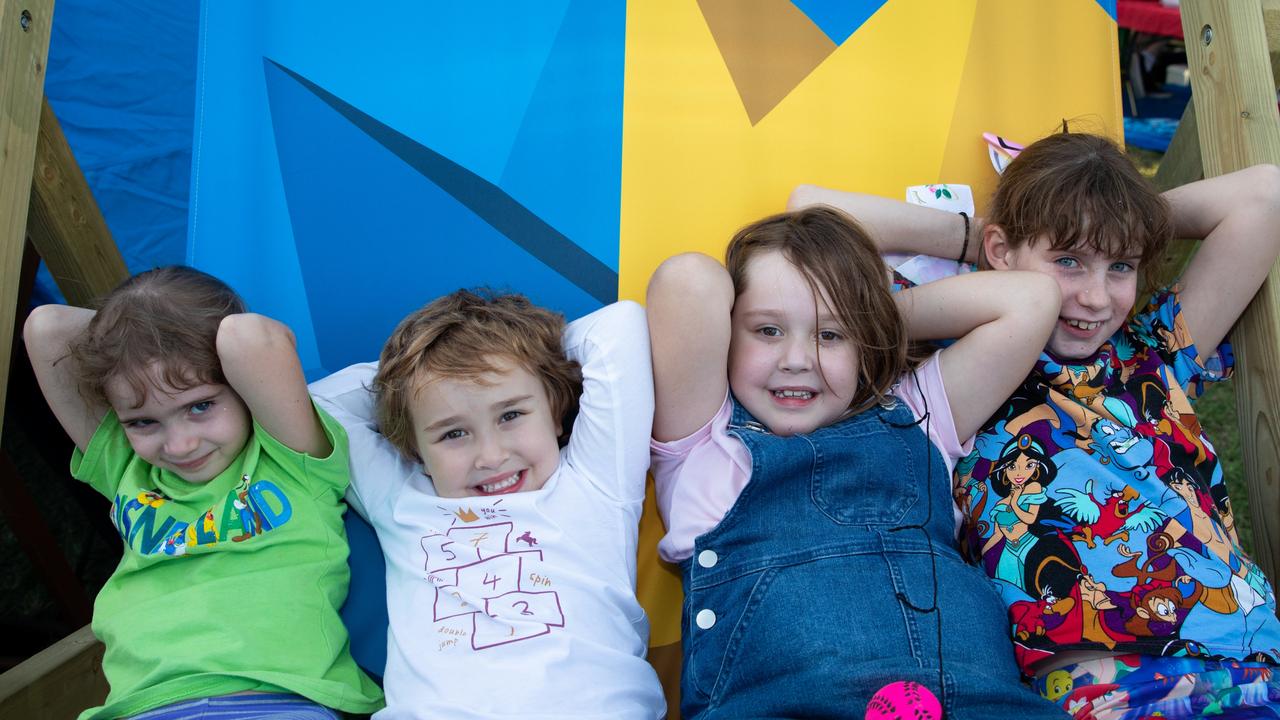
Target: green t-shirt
[{"x": 225, "y": 586}]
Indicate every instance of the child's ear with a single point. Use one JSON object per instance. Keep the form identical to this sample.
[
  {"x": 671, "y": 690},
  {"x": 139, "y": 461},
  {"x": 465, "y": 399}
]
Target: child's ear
[{"x": 996, "y": 248}]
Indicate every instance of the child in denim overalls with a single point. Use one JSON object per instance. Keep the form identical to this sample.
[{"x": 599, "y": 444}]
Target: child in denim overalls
[{"x": 806, "y": 490}]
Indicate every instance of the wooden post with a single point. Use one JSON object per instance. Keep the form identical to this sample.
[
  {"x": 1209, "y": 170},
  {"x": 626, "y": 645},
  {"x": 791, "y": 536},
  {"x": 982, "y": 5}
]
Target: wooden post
[
  {"x": 1231, "y": 77},
  {"x": 1181, "y": 165},
  {"x": 65, "y": 225},
  {"x": 59, "y": 682},
  {"x": 24, "y": 46}
]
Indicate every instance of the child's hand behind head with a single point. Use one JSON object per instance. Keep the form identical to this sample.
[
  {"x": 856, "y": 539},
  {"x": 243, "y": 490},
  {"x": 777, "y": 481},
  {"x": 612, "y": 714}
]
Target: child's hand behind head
[
  {"x": 149, "y": 352},
  {"x": 477, "y": 388}
]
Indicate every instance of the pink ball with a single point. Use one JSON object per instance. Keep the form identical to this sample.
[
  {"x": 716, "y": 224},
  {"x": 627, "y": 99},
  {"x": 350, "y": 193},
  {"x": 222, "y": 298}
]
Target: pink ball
[{"x": 904, "y": 700}]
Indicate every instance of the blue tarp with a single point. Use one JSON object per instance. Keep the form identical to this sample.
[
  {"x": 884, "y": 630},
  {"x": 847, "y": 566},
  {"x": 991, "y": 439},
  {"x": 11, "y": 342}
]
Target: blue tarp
[{"x": 121, "y": 80}]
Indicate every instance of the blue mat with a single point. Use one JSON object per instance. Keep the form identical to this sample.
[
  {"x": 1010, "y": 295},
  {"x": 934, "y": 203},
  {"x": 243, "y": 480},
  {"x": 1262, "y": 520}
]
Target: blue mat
[
  {"x": 1157, "y": 119},
  {"x": 1149, "y": 133}
]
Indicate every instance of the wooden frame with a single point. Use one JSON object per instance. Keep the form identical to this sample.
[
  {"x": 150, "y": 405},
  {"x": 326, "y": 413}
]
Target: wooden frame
[
  {"x": 24, "y": 48},
  {"x": 43, "y": 195},
  {"x": 1231, "y": 51}
]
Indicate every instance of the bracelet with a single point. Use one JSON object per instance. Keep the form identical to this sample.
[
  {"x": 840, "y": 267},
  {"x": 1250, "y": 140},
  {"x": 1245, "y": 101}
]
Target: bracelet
[{"x": 964, "y": 249}]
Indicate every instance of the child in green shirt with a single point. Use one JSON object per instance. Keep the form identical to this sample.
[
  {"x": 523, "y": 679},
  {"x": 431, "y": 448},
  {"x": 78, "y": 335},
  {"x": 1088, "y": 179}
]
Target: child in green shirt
[{"x": 226, "y": 483}]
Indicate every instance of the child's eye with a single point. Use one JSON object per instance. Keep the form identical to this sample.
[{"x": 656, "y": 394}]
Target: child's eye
[
  {"x": 830, "y": 336},
  {"x": 454, "y": 434},
  {"x": 1122, "y": 267},
  {"x": 1067, "y": 262},
  {"x": 201, "y": 407},
  {"x": 139, "y": 424},
  {"x": 510, "y": 415},
  {"x": 770, "y": 331}
]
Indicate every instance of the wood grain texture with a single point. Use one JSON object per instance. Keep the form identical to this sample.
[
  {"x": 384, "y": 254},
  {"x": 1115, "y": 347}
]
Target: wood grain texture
[
  {"x": 65, "y": 225},
  {"x": 58, "y": 683},
  {"x": 1231, "y": 76},
  {"x": 1181, "y": 164},
  {"x": 1271, "y": 27},
  {"x": 24, "y": 47}
]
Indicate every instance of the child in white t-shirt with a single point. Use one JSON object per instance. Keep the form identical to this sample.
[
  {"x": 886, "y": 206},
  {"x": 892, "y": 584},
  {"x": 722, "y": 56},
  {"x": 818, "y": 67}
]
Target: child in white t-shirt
[{"x": 505, "y": 482}]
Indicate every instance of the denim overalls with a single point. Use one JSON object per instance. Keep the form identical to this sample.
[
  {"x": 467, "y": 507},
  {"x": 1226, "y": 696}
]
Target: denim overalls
[{"x": 814, "y": 590}]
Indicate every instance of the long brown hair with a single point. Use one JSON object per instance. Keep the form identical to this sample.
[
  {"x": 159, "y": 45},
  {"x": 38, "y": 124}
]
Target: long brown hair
[
  {"x": 836, "y": 256},
  {"x": 167, "y": 317}
]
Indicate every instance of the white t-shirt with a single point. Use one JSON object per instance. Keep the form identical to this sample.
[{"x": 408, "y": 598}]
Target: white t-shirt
[
  {"x": 522, "y": 604},
  {"x": 699, "y": 477}
]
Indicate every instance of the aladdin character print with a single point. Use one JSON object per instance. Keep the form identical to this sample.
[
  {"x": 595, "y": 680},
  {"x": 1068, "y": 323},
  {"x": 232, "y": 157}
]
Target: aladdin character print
[{"x": 1095, "y": 503}]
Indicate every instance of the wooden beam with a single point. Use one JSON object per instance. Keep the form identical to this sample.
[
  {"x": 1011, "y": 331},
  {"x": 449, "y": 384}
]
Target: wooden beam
[
  {"x": 24, "y": 47},
  {"x": 1231, "y": 77},
  {"x": 65, "y": 224},
  {"x": 1271, "y": 27},
  {"x": 1181, "y": 164},
  {"x": 57, "y": 683}
]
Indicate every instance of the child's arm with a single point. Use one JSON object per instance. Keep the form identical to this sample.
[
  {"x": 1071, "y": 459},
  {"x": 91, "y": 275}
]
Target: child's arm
[
  {"x": 1003, "y": 320},
  {"x": 898, "y": 227},
  {"x": 48, "y": 333},
  {"x": 689, "y": 300},
  {"x": 1238, "y": 215},
  {"x": 609, "y": 440},
  {"x": 378, "y": 470},
  {"x": 261, "y": 364}
]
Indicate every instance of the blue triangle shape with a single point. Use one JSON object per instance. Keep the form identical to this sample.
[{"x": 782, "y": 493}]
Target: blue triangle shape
[
  {"x": 570, "y": 140},
  {"x": 383, "y": 224},
  {"x": 838, "y": 19}
]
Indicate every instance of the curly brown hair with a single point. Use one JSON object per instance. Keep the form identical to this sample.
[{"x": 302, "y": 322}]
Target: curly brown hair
[
  {"x": 466, "y": 335},
  {"x": 1080, "y": 190},
  {"x": 837, "y": 256},
  {"x": 168, "y": 318}
]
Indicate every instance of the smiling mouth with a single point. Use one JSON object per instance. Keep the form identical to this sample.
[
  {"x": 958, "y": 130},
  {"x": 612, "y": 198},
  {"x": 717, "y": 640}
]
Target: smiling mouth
[
  {"x": 192, "y": 464},
  {"x": 1122, "y": 446},
  {"x": 1083, "y": 325},
  {"x": 792, "y": 396},
  {"x": 506, "y": 484}
]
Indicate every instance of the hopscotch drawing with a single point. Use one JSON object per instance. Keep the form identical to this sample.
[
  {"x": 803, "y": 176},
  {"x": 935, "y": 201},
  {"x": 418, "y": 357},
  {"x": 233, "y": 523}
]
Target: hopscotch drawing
[{"x": 477, "y": 572}]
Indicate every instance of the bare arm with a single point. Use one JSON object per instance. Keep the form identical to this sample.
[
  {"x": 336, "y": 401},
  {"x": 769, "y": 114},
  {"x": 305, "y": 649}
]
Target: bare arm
[
  {"x": 261, "y": 364},
  {"x": 894, "y": 226},
  {"x": 48, "y": 334},
  {"x": 689, "y": 300},
  {"x": 1238, "y": 216},
  {"x": 1003, "y": 320}
]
